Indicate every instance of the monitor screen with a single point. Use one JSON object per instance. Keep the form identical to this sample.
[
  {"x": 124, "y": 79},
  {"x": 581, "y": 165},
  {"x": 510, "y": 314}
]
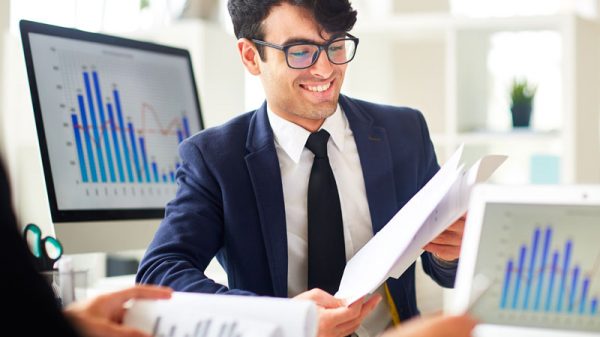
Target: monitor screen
[{"x": 110, "y": 113}]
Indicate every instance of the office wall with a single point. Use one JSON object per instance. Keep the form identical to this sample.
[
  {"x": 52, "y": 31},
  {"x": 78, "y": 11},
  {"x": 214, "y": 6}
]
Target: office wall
[
  {"x": 21, "y": 153},
  {"x": 18, "y": 145},
  {"x": 4, "y": 24}
]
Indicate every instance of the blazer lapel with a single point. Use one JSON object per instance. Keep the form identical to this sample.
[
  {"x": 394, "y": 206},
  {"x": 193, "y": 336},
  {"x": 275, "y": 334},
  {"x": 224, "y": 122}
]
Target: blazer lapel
[
  {"x": 263, "y": 167},
  {"x": 376, "y": 162}
]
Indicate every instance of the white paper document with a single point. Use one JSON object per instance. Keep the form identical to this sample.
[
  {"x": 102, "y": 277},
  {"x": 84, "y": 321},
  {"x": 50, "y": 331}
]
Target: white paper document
[
  {"x": 207, "y": 315},
  {"x": 442, "y": 201}
]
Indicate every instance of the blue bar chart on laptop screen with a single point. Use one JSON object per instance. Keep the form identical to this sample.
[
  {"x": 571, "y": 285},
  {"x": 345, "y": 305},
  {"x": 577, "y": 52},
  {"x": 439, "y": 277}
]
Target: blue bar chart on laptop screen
[
  {"x": 545, "y": 266},
  {"x": 113, "y": 119}
]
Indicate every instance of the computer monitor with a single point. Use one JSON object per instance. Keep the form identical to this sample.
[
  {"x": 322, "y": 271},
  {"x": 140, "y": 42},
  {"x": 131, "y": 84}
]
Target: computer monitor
[{"x": 110, "y": 113}]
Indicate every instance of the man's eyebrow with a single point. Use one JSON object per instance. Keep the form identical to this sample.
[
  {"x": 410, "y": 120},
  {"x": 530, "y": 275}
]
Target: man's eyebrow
[
  {"x": 304, "y": 40},
  {"x": 298, "y": 40}
]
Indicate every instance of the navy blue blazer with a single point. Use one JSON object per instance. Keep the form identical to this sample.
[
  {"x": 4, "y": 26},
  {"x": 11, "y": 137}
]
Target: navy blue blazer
[{"x": 230, "y": 202}]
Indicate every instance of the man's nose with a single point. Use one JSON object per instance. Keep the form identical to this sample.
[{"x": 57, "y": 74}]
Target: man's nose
[{"x": 323, "y": 68}]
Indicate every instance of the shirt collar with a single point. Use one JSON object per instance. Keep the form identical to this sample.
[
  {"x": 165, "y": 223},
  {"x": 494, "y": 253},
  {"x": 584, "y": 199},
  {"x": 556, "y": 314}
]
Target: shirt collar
[{"x": 292, "y": 137}]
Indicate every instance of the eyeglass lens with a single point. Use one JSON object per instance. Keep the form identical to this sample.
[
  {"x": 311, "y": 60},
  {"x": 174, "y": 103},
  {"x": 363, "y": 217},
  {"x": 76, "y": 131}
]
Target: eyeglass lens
[{"x": 304, "y": 55}]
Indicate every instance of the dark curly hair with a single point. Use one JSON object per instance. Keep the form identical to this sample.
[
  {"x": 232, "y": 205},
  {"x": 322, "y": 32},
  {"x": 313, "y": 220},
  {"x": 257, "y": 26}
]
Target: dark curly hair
[{"x": 247, "y": 15}]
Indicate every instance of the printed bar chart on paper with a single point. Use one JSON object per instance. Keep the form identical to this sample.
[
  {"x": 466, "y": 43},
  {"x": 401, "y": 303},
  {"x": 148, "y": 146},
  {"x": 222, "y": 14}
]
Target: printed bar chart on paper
[
  {"x": 113, "y": 117},
  {"x": 203, "y": 325},
  {"x": 547, "y": 266},
  {"x": 209, "y": 315}
]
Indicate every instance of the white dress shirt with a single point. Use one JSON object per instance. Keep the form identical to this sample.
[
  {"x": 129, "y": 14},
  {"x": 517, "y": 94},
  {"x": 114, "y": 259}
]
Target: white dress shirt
[{"x": 295, "y": 163}]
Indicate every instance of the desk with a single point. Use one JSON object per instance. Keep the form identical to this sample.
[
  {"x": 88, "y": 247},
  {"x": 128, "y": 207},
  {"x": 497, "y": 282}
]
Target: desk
[{"x": 114, "y": 283}]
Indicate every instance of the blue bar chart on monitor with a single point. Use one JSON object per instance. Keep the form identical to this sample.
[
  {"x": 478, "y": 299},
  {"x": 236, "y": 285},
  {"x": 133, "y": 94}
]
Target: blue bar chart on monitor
[
  {"x": 114, "y": 118},
  {"x": 546, "y": 266},
  {"x": 112, "y": 139}
]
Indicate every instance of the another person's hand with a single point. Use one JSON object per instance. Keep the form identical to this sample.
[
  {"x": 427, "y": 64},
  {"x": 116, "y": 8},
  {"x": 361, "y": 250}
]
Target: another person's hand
[
  {"x": 447, "y": 245},
  {"x": 439, "y": 326},
  {"x": 335, "y": 319},
  {"x": 103, "y": 315}
]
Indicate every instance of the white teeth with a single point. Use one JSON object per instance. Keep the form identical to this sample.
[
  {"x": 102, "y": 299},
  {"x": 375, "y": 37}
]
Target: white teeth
[{"x": 319, "y": 88}]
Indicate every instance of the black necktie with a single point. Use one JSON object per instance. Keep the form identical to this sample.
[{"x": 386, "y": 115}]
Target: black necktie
[{"x": 326, "y": 252}]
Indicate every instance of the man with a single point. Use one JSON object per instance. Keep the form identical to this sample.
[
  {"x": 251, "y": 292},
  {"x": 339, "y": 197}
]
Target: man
[
  {"x": 33, "y": 310},
  {"x": 246, "y": 189}
]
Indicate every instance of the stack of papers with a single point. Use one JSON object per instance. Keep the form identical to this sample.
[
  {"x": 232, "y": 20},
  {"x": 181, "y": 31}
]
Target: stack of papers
[
  {"x": 204, "y": 315},
  {"x": 442, "y": 201}
]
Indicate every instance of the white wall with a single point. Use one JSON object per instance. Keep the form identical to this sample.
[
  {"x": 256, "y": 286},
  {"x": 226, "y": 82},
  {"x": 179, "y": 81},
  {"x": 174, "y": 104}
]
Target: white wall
[
  {"x": 4, "y": 24},
  {"x": 22, "y": 155},
  {"x": 18, "y": 143}
]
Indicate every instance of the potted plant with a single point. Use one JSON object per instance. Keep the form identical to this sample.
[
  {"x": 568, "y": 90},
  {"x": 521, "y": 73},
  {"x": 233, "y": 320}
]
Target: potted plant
[{"x": 521, "y": 94}]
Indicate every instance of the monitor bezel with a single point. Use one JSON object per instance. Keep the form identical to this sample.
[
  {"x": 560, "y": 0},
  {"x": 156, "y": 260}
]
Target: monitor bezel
[{"x": 29, "y": 27}]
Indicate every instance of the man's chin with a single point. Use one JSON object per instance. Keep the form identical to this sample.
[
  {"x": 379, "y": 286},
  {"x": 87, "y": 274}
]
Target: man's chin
[
  {"x": 325, "y": 109},
  {"x": 322, "y": 113}
]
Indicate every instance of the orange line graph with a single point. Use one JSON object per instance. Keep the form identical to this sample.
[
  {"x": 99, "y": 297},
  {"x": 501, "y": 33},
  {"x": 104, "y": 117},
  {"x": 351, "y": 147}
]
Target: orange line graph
[
  {"x": 146, "y": 109},
  {"x": 170, "y": 129}
]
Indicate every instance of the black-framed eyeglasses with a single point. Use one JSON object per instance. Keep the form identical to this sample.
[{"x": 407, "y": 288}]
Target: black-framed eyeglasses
[{"x": 301, "y": 55}]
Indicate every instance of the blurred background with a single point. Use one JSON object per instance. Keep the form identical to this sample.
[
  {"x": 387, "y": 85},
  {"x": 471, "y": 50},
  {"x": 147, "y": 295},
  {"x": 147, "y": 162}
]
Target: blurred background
[{"x": 468, "y": 65}]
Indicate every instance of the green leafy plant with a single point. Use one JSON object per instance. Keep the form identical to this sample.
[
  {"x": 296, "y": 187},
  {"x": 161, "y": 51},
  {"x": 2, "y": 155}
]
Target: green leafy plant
[
  {"x": 522, "y": 92},
  {"x": 521, "y": 95},
  {"x": 144, "y": 4}
]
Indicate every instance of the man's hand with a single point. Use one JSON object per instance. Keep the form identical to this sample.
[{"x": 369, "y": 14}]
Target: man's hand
[
  {"x": 335, "y": 319},
  {"x": 447, "y": 245},
  {"x": 439, "y": 326}
]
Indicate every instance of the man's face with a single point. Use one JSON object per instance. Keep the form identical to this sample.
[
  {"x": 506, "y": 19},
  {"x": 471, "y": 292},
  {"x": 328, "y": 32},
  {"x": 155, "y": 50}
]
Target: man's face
[{"x": 303, "y": 96}]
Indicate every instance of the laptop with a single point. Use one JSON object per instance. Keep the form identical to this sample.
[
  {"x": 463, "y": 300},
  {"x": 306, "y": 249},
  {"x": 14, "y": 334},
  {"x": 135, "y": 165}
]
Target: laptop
[{"x": 530, "y": 261}]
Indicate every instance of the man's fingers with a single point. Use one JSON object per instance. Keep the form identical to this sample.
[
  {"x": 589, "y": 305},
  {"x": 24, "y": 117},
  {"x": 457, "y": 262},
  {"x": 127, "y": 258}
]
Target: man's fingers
[
  {"x": 448, "y": 238},
  {"x": 321, "y": 298},
  {"x": 447, "y": 245},
  {"x": 143, "y": 292},
  {"x": 367, "y": 307},
  {"x": 458, "y": 225},
  {"x": 350, "y": 329},
  {"x": 330, "y": 319},
  {"x": 444, "y": 252},
  {"x": 371, "y": 304},
  {"x": 343, "y": 314}
]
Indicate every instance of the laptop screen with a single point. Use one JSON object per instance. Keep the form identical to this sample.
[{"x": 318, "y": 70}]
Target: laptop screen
[
  {"x": 538, "y": 248},
  {"x": 544, "y": 264}
]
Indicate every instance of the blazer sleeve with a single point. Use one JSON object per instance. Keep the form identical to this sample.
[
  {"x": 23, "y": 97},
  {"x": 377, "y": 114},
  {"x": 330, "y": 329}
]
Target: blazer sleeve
[
  {"x": 191, "y": 233},
  {"x": 442, "y": 272}
]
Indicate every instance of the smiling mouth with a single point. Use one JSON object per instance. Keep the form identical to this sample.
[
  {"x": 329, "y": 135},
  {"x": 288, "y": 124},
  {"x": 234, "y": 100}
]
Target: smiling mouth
[{"x": 317, "y": 88}]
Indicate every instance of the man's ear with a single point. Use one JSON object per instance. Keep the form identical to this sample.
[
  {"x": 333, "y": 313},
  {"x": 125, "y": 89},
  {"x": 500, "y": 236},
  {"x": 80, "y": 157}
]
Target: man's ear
[{"x": 249, "y": 55}]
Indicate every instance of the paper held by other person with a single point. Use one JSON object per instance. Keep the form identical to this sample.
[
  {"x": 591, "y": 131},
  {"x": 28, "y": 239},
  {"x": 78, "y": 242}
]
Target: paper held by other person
[
  {"x": 210, "y": 315},
  {"x": 442, "y": 201}
]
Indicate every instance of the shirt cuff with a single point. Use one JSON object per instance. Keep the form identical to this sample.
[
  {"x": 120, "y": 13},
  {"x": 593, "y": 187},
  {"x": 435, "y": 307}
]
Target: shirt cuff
[{"x": 444, "y": 263}]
